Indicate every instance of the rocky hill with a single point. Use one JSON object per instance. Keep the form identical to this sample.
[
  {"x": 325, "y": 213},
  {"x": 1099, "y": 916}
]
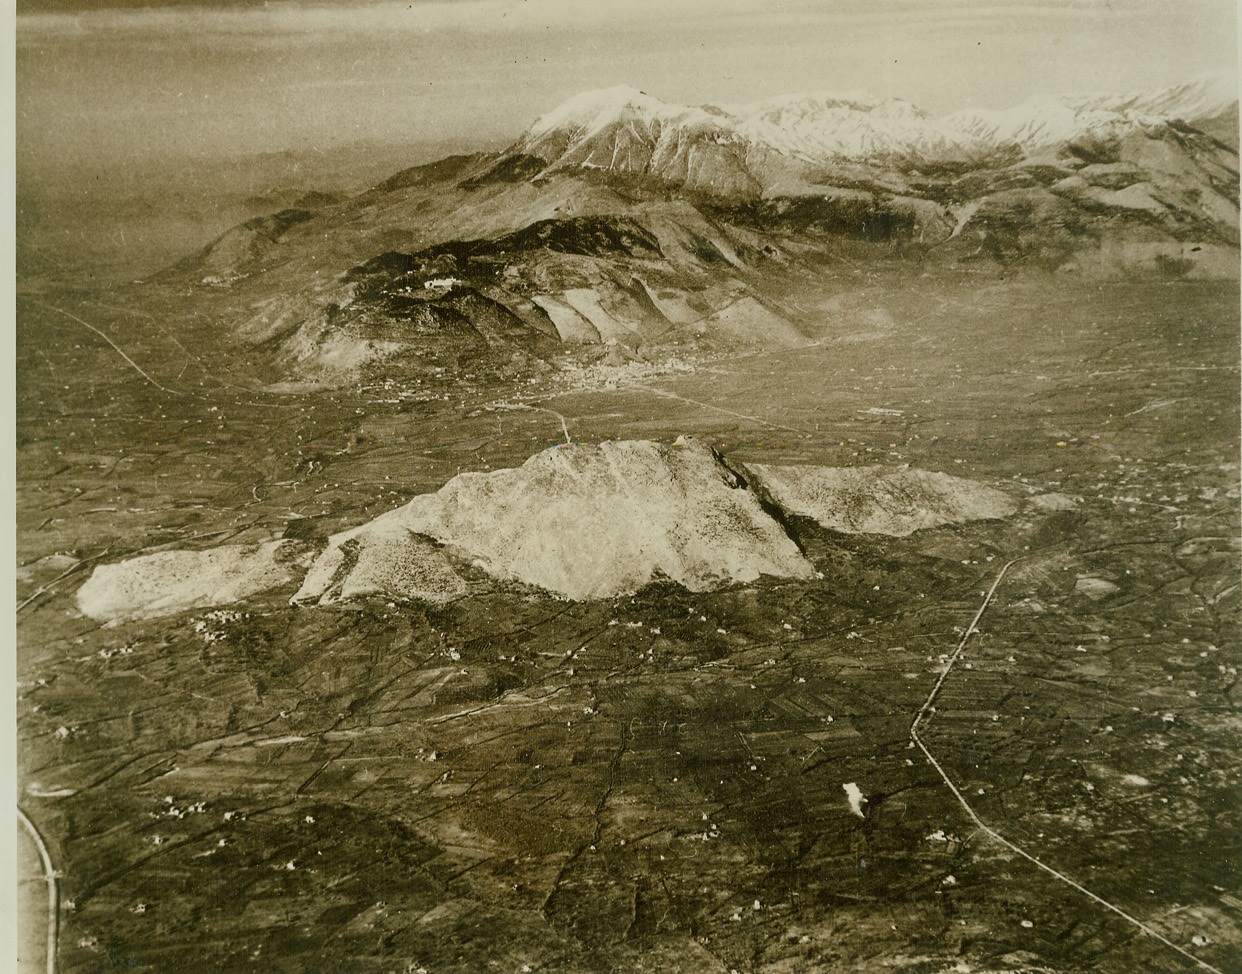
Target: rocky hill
[{"x": 582, "y": 521}]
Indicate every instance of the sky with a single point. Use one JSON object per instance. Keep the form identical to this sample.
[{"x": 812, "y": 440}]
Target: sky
[{"x": 106, "y": 84}]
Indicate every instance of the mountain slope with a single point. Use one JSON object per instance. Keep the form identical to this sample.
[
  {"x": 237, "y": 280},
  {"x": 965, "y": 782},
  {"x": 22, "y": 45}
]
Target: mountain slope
[
  {"x": 910, "y": 170},
  {"x": 620, "y": 219},
  {"x": 730, "y": 149},
  {"x": 1205, "y": 97}
]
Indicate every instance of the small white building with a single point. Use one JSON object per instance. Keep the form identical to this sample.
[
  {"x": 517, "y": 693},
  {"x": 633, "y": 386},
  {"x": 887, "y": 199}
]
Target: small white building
[{"x": 440, "y": 282}]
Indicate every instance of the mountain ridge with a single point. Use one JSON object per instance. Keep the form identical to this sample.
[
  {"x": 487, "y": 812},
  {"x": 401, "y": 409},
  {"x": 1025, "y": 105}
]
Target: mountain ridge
[
  {"x": 608, "y": 128},
  {"x": 619, "y": 219}
]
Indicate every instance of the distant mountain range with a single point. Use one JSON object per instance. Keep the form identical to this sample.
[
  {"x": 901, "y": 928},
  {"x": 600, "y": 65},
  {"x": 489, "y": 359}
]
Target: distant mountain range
[
  {"x": 619, "y": 218},
  {"x": 762, "y": 146}
]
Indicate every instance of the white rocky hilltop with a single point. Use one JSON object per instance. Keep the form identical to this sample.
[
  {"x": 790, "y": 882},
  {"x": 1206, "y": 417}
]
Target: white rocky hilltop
[{"x": 582, "y": 521}]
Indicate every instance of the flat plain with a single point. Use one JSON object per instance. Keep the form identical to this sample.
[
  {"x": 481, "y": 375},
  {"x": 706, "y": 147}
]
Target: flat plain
[{"x": 516, "y": 782}]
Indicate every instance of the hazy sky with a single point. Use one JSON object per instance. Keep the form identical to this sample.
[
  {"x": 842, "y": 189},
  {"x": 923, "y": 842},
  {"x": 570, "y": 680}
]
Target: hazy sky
[{"x": 97, "y": 80}]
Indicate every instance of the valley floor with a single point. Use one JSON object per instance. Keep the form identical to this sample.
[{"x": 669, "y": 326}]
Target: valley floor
[{"x": 517, "y": 783}]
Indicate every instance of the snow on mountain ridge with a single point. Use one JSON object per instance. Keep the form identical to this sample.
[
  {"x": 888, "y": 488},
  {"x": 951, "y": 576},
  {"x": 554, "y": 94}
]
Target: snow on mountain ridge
[
  {"x": 591, "y": 111},
  {"x": 821, "y": 127},
  {"x": 858, "y": 99},
  {"x": 1046, "y": 121},
  {"x": 1206, "y": 96}
]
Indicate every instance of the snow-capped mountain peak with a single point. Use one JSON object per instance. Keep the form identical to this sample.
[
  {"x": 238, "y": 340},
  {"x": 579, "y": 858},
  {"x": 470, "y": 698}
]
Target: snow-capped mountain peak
[
  {"x": 591, "y": 111},
  {"x": 626, "y": 130},
  {"x": 858, "y": 99}
]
